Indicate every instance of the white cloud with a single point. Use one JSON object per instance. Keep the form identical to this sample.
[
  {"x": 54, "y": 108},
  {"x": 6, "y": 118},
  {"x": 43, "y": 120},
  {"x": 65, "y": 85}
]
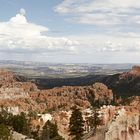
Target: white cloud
[
  {"x": 116, "y": 29},
  {"x": 20, "y": 36},
  {"x": 108, "y": 44},
  {"x": 89, "y": 6},
  {"x": 101, "y": 12}
]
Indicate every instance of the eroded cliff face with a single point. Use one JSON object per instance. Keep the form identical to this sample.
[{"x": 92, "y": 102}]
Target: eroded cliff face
[
  {"x": 16, "y": 94},
  {"x": 27, "y": 96},
  {"x": 120, "y": 122},
  {"x": 125, "y": 125}
]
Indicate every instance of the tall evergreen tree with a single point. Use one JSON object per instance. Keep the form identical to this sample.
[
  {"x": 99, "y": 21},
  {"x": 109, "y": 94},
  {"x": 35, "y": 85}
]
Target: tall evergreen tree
[
  {"x": 76, "y": 124},
  {"x": 50, "y": 132},
  {"x": 94, "y": 120}
]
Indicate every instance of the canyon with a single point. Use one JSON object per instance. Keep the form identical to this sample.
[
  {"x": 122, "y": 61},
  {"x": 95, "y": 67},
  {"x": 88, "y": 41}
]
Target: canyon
[{"x": 120, "y": 118}]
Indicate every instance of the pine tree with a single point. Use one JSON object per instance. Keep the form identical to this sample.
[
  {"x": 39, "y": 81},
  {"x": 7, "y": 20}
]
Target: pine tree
[
  {"x": 50, "y": 132},
  {"x": 94, "y": 120},
  {"x": 76, "y": 124}
]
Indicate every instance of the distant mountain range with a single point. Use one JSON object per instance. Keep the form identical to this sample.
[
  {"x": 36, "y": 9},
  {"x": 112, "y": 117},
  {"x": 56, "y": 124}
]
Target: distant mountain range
[{"x": 59, "y": 70}]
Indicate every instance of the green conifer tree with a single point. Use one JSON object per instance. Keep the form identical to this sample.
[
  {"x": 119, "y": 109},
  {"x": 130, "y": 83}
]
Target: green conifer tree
[
  {"x": 20, "y": 124},
  {"x": 50, "y": 132},
  {"x": 76, "y": 124}
]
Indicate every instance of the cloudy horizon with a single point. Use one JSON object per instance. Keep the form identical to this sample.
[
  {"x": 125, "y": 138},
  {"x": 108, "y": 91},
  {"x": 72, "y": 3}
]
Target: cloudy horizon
[{"x": 69, "y": 31}]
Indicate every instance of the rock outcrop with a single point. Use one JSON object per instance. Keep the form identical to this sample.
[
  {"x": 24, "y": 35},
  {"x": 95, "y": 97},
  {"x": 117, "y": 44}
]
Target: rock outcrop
[{"x": 125, "y": 125}]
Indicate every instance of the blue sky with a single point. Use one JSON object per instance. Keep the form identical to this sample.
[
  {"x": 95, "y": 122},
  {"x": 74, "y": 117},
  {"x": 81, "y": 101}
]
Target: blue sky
[{"x": 70, "y": 31}]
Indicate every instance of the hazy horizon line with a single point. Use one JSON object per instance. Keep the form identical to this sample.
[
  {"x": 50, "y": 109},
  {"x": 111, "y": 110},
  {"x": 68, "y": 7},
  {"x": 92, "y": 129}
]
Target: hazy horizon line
[{"x": 128, "y": 63}]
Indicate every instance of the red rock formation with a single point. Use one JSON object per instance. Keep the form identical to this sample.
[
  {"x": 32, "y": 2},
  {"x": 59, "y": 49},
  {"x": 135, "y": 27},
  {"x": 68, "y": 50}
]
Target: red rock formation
[
  {"x": 28, "y": 96},
  {"x": 66, "y": 97}
]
